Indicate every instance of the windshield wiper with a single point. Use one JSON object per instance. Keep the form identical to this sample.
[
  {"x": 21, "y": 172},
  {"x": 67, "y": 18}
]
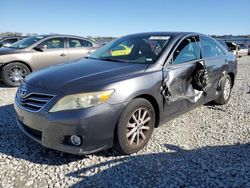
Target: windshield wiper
[
  {"x": 106, "y": 59},
  {"x": 91, "y": 58},
  {"x": 114, "y": 60}
]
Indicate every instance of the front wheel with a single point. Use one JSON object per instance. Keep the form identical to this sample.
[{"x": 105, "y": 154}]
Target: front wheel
[
  {"x": 225, "y": 91},
  {"x": 135, "y": 126},
  {"x": 14, "y": 73}
]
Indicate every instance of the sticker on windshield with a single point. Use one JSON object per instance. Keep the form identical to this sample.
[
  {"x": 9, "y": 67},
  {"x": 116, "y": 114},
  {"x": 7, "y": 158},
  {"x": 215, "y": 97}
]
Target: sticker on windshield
[{"x": 159, "y": 37}]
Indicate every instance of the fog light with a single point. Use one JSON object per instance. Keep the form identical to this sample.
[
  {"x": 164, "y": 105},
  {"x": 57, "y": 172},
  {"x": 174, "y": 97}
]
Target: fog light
[{"x": 75, "y": 140}]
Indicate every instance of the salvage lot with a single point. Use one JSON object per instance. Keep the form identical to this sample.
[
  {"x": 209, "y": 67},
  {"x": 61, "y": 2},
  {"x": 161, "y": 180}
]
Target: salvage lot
[{"x": 207, "y": 147}]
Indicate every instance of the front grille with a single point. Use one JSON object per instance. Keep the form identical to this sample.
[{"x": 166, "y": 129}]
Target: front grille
[{"x": 34, "y": 101}]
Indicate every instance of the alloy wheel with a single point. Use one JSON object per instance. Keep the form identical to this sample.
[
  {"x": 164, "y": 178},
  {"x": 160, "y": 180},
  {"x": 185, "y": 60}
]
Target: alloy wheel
[
  {"x": 138, "y": 127},
  {"x": 227, "y": 89},
  {"x": 17, "y": 74}
]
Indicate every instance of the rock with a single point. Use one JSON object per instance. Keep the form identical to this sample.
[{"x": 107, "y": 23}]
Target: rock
[{"x": 29, "y": 183}]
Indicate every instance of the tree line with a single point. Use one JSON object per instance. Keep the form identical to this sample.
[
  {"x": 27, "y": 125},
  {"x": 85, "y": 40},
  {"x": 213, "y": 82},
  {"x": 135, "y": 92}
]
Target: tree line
[{"x": 15, "y": 34}]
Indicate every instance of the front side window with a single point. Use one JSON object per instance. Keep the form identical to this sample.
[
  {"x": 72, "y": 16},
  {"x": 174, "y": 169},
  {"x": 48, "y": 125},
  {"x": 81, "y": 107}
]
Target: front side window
[
  {"x": 77, "y": 43},
  {"x": 188, "y": 50},
  {"x": 133, "y": 49},
  {"x": 210, "y": 48},
  {"x": 53, "y": 43}
]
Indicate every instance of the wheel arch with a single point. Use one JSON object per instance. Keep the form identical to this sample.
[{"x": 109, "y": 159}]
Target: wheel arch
[
  {"x": 232, "y": 76},
  {"x": 18, "y": 61},
  {"x": 147, "y": 97},
  {"x": 155, "y": 105}
]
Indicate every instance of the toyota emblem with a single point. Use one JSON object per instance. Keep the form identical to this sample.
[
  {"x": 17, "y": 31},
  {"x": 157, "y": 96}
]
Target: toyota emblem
[{"x": 23, "y": 90}]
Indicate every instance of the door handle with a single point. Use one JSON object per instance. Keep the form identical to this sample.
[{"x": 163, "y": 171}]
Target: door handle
[{"x": 62, "y": 54}]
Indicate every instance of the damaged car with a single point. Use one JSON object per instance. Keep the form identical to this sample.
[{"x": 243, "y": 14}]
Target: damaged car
[{"x": 106, "y": 101}]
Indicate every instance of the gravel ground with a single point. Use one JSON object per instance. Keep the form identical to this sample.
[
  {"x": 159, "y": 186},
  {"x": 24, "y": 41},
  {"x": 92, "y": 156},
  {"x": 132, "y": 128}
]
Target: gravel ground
[{"x": 207, "y": 147}]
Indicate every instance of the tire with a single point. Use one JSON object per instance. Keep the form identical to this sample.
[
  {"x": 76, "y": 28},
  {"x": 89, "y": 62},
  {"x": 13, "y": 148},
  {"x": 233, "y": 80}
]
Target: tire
[
  {"x": 132, "y": 136},
  {"x": 225, "y": 91},
  {"x": 13, "y": 73}
]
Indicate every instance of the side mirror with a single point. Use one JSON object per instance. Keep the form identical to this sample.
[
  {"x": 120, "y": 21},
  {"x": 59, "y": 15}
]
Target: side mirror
[{"x": 38, "y": 49}]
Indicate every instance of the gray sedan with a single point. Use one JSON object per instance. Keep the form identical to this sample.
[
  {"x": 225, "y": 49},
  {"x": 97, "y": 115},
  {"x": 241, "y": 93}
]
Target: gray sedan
[
  {"x": 37, "y": 52},
  {"x": 117, "y": 96}
]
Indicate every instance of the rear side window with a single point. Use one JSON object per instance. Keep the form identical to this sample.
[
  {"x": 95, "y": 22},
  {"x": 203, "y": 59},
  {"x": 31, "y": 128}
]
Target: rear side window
[
  {"x": 210, "y": 48},
  {"x": 188, "y": 50},
  {"x": 54, "y": 43},
  {"x": 78, "y": 43}
]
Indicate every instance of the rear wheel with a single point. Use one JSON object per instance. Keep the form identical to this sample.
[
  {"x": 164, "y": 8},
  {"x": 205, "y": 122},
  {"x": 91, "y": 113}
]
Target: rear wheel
[
  {"x": 135, "y": 126},
  {"x": 225, "y": 87},
  {"x": 14, "y": 73}
]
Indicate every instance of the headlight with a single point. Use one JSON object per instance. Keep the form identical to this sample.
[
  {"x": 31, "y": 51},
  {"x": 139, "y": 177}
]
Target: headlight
[{"x": 82, "y": 100}]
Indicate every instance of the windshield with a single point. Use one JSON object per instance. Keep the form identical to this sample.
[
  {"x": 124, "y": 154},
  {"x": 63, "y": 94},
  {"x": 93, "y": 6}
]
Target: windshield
[
  {"x": 26, "y": 42},
  {"x": 133, "y": 49},
  {"x": 242, "y": 46}
]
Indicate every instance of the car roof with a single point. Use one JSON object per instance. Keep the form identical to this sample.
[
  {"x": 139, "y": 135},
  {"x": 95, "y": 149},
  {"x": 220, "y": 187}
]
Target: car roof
[
  {"x": 64, "y": 35},
  {"x": 171, "y": 34},
  {"x": 60, "y": 35}
]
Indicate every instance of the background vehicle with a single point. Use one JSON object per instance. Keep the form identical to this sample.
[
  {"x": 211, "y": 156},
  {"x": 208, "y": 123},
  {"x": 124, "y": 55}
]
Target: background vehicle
[
  {"x": 233, "y": 47},
  {"x": 104, "y": 101},
  {"x": 37, "y": 52},
  {"x": 230, "y": 46},
  {"x": 7, "y": 41},
  {"x": 243, "y": 50}
]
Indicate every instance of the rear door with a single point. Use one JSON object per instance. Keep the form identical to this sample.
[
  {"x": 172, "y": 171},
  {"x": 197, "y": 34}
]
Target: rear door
[
  {"x": 179, "y": 88},
  {"x": 216, "y": 63},
  {"x": 79, "y": 48},
  {"x": 53, "y": 51}
]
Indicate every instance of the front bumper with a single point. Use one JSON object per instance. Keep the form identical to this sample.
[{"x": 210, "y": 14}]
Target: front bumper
[{"x": 94, "y": 125}]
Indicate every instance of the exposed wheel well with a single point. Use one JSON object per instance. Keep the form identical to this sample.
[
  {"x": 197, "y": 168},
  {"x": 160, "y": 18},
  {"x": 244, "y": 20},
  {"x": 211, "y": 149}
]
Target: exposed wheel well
[
  {"x": 153, "y": 101},
  {"x": 232, "y": 77}
]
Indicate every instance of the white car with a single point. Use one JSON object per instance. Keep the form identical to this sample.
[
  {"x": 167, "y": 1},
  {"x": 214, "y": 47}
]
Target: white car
[{"x": 243, "y": 50}]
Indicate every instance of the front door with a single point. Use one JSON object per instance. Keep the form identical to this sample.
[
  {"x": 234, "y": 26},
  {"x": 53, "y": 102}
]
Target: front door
[
  {"x": 181, "y": 90},
  {"x": 53, "y": 51}
]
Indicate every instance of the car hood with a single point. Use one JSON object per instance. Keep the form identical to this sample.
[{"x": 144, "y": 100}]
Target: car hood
[
  {"x": 84, "y": 75},
  {"x": 6, "y": 51}
]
